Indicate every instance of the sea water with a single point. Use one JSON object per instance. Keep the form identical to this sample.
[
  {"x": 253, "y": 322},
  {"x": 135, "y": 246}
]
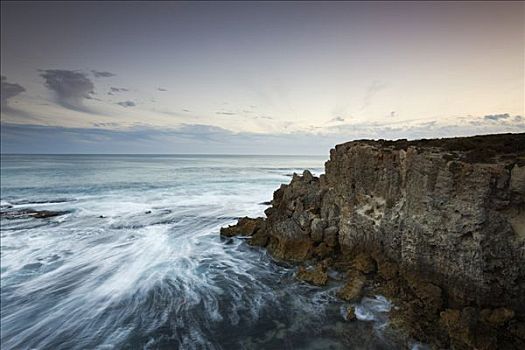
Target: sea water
[{"x": 137, "y": 261}]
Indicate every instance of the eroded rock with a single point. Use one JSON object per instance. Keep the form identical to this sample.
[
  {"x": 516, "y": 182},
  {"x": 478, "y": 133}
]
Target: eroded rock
[
  {"x": 364, "y": 263},
  {"x": 317, "y": 276},
  {"x": 353, "y": 288},
  {"x": 244, "y": 227},
  {"x": 442, "y": 222}
]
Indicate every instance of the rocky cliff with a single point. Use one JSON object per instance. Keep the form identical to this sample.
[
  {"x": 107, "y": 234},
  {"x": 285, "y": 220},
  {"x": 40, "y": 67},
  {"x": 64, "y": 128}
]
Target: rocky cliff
[{"x": 437, "y": 225}]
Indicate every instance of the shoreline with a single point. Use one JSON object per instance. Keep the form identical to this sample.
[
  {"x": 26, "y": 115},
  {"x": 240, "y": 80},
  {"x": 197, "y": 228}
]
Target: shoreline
[{"x": 434, "y": 225}]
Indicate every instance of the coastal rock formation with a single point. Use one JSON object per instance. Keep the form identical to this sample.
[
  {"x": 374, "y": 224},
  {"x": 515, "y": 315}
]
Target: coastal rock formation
[
  {"x": 30, "y": 213},
  {"x": 439, "y": 224}
]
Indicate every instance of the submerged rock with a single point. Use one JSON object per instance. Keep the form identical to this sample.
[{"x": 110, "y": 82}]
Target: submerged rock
[
  {"x": 438, "y": 225},
  {"x": 31, "y": 213},
  {"x": 350, "y": 314}
]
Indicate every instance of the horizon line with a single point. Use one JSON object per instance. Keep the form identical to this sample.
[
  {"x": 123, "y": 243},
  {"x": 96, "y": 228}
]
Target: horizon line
[{"x": 161, "y": 154}]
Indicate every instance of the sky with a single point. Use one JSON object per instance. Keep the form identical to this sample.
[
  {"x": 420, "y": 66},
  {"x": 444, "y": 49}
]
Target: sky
[{"x": 255, "y": 77}]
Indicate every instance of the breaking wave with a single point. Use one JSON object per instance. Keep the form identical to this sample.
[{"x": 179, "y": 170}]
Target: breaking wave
[{"x": 137, "y": 262}]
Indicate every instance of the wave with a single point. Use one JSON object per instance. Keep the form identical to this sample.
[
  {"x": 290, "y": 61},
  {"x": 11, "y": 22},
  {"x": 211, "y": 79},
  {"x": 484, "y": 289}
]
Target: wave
[{"x": 144, "y": 267}]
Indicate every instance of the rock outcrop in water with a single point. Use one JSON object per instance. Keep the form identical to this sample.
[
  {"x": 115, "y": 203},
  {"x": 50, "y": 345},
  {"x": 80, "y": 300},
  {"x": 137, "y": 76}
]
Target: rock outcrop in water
[
  {"x": 29, "y": 213},
  {"x": 437, "y": 225}
]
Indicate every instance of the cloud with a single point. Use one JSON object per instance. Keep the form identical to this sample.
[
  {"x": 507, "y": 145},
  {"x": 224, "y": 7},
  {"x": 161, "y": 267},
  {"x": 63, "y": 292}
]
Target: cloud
[
  {"x": 496, "y": 117},
  {"x": 393, "y": 114},
  {"x": 336, "y": 119},
  {"x": 9, "y": 90},
  {"x": 99, "y": 74},
  {"x": 200, "y": 138},
  {"x": 70, "y": 87},
  {"x": 161, "y": 89},
  {"x": 127, "y": 104},
  {"x": 225, "y": 113},
  {"x": 115, "y": 90},
  {"x": 106, "y": 125}
]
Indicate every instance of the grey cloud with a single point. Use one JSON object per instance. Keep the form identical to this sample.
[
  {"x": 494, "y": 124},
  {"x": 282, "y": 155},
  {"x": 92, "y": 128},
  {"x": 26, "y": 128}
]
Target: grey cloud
[
  {"x": 518, "y": 118},
  {"x": 127, "y": 104},
  {"x": 99, "y": 74},
  {"x": 393, "y": 114},
  {"x": 496, "y": 117},
  {"x": 161, "y": 89},
  {"x": 337, "y": 119},
  {"x": 114, "y": 90},
  {"x": 198, "y": 138},
  {"x": 70, "y": 87},
  {"x": 225, "y": 113},
  {"x": 9, "y": 90},
  {"x": 105, "y": 125},
  {"x": 186, "y": 110},
  {"x": 188, "y": 138}
]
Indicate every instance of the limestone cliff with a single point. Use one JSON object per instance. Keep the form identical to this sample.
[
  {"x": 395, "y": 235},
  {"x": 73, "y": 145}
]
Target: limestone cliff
[{"x": 447, "y": 213}]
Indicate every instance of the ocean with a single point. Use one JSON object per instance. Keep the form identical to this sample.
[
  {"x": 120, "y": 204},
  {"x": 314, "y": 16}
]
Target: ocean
[{"x": 136, "y": 260}]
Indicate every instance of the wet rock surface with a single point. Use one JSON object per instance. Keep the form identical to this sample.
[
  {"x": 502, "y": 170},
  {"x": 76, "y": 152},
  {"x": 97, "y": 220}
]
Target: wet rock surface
[
  {"x": 30, "y": 213},
  {"x": 317, "y": 275},
  {"x": 436, "y": 225}
]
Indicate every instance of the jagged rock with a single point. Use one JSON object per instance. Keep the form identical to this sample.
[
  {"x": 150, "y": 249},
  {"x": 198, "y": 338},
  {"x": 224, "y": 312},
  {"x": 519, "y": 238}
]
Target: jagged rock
[
  {"x": 444, "y": 220},
  {"x": 350, "y": 314},
  {"x": 294, "y": 251},
  {"x": 317, "y": 276},
  {"x": 353, "y": 288},
  {"x": 500, "y": 316},
  {"x": 387, "y": 269},
  {"x": 260, "y": 238},
  {"x": 307, "y": 176},
  {"x": 466, "y": 331},
  {"x": 429, "y": 294},
  {"x": 364, "y": 263},
  {"x": 330, "y": 236},
  {"x": 455, "y": 325},
  {"x": 245, "y": 226},
  {"x": 317, "y": 227},
  {"x": 323, "y": 250}
]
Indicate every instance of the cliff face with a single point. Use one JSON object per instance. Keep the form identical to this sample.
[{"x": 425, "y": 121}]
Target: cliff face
[
  {"x": 450, "y": 211},
  {"x": 455, "y": 221}
]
